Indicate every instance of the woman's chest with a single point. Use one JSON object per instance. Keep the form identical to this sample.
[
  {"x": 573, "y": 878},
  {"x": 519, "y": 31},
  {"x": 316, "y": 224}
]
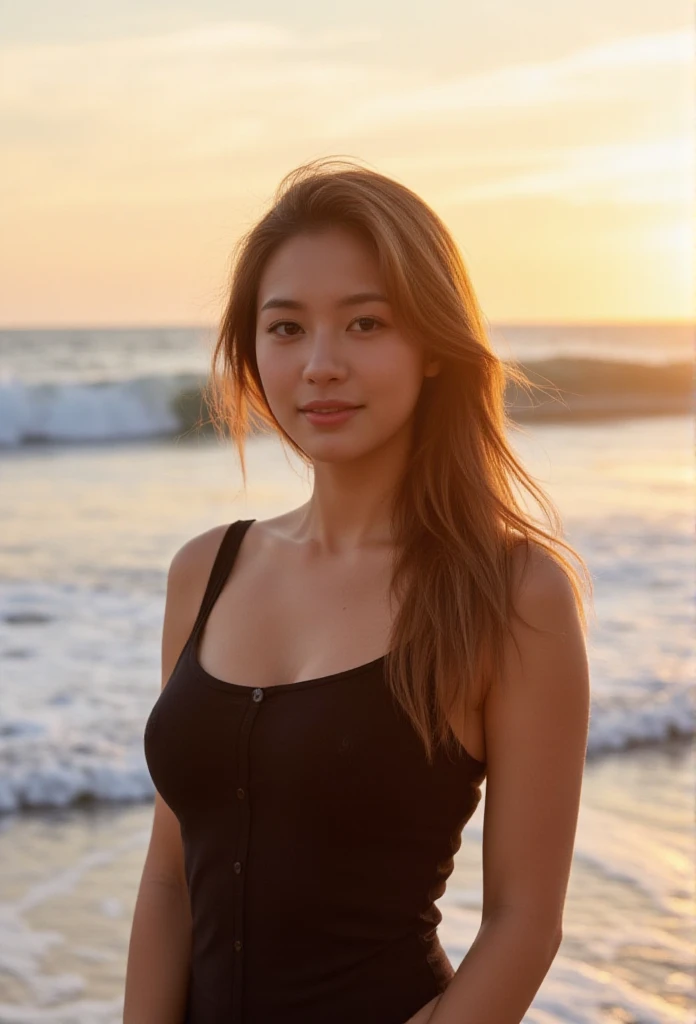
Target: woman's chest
[
  {"x": 334, "y": 756},
  {"x": 278, "y": 626}
]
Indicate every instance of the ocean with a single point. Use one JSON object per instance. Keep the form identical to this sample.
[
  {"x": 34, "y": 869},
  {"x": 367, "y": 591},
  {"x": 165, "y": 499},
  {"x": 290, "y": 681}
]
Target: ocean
[{"x": 101, "y": 480}]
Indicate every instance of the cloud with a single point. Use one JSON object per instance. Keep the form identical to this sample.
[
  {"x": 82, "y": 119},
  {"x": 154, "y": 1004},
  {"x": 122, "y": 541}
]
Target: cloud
[
  {"x": 228, "y": 37},
  {"x": 589, "y": 74},
  {"x": 134, "y": 115},
  {"x": 658, "y": 171},
  {"x": 208, "y": 110},
  {"x": 227, "y": 64}
]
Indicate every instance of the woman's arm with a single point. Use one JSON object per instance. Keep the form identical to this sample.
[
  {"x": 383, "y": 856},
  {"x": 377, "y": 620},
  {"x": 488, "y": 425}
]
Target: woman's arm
[
  {"x": 536, "y": 725},
  {"x": 160, "y": 943}
]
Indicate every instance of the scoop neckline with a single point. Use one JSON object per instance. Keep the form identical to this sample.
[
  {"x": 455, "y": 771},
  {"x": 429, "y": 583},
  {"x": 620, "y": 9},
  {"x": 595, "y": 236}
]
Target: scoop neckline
[{"x": 301, "y": 684}]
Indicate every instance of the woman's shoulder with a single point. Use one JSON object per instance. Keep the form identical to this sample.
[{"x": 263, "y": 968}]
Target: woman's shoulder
[
  {"x": 539, "y": 580},
  {"x": 196, "y": 555}
]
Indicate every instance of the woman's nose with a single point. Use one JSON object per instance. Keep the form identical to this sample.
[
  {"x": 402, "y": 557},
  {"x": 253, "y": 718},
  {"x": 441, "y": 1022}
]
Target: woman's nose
[{"x": 324, "y": 357}]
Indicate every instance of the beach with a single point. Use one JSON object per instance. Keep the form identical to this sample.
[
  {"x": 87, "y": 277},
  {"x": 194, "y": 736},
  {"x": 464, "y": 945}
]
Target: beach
[{"x": 103, "y": 481}]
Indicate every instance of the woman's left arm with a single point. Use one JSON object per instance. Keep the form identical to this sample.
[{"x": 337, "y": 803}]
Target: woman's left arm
[{"x": 536, "y": 727}]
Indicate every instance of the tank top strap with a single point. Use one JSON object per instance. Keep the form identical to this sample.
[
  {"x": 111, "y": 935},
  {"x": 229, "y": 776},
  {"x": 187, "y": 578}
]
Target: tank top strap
[{"x": 222, "y": 567}]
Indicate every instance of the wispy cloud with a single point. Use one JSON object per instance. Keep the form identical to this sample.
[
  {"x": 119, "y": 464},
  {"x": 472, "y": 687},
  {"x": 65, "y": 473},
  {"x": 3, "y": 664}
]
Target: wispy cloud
[
  {"x": 217, "y": 53},
  {"x": 144, "y": 113},
  {"x": 134, "y": 116},
  {"x": 594, "y": 73},
  {"x": 236, "y": 68},
  {"x": 229, "y": 37},
  {"x": 655, "y": 172}
]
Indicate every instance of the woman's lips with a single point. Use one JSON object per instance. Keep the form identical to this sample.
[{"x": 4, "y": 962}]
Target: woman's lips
[{"x": 337, "y": 416}]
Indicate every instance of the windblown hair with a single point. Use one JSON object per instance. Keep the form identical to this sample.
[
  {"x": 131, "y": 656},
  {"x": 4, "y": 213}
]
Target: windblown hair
[{"x": 456, "y": 517}]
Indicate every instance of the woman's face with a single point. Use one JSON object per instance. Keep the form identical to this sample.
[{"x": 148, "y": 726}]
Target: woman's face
[{"x": 323, "y": 332}]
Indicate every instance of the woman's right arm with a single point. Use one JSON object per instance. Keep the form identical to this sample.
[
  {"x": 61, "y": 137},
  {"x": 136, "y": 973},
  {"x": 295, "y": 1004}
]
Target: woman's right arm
[{"x": 160, "y": 942}]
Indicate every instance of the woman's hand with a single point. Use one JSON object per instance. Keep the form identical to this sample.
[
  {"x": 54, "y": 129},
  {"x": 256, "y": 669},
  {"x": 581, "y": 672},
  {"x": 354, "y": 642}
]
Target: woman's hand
[{"x": 423, "y": 1015}]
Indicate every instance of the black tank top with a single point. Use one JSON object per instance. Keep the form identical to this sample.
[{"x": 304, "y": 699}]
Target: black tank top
[{"x": 316, "y": 839}]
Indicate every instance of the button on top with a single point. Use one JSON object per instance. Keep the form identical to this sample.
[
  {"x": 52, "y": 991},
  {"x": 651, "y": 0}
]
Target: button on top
[
  {"x": 237, "y": 867},
  {"x": 257, "y": 695},
  {"x": 240, "y": 793},
  {"x": 237, "y": 944}
]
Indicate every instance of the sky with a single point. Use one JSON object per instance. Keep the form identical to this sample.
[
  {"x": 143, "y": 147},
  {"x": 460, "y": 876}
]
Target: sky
[{"x": 139, "y": 140}]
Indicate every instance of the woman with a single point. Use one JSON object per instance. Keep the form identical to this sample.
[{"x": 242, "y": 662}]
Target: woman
[{"x": 338, "y": 680}]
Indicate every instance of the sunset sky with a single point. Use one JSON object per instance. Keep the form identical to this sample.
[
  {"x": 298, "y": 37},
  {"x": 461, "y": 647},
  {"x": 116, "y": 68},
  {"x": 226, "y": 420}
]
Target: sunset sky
[{"x": 139, "y": 139}]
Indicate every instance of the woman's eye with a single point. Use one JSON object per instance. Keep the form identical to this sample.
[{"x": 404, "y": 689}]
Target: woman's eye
[
  {"x": 370, "y": 319},
  {"x": 282, "y": 323}
]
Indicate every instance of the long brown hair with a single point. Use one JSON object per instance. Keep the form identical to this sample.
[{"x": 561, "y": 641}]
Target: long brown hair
[{"x": 456, "y": 516}]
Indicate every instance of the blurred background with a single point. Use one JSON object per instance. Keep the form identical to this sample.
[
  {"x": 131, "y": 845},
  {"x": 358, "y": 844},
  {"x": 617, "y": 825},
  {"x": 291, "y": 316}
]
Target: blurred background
[{"x": 138, "y": 141}]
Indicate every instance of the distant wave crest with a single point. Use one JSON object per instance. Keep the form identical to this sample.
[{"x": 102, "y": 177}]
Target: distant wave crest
[{"x": 160, "y": 406}]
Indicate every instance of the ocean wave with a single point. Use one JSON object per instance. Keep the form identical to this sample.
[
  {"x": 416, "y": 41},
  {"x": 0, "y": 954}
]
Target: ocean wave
[
  {"x": 145, "y": 407},
  {"x": 65, "y": 779},
  {"x": 572, "y": 389},
  {"x": 566, "y": 389}
]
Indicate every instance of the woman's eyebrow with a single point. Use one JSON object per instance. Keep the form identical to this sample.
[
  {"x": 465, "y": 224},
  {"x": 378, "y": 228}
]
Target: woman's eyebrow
[{"x": 349, "y": 300}]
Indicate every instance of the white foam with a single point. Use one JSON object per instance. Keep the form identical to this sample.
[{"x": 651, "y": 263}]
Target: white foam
[{"x": 110, "y": 410}]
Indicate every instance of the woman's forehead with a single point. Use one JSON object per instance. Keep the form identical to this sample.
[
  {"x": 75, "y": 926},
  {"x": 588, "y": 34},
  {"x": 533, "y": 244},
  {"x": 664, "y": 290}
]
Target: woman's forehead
[{"x": 321, "y": 268}]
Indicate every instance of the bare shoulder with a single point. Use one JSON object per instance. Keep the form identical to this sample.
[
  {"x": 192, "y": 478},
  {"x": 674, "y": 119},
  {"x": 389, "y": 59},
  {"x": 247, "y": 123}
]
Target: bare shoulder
[
  {"x": 195, "y": 556},
  {"x": 542, "y": 592},
  {"x": 191, "y": 565}
]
